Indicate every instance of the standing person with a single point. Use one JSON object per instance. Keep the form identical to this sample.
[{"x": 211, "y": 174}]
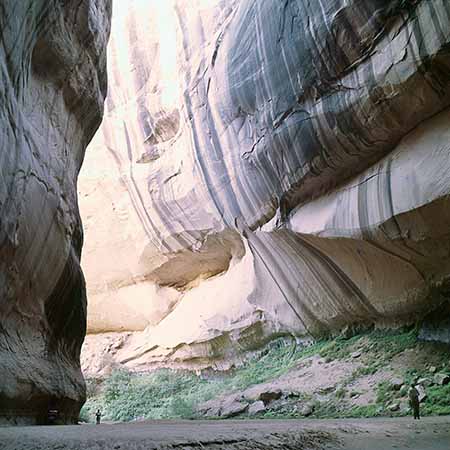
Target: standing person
[
  {"x": 413, "y": 394},
  {"x": 52, "y": 412},
  {"x": 98, "y": 416}
]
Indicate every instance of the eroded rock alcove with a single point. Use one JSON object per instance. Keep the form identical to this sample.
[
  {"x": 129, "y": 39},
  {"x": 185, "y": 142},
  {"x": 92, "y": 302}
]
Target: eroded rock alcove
[{"x": 264, "y": 169}]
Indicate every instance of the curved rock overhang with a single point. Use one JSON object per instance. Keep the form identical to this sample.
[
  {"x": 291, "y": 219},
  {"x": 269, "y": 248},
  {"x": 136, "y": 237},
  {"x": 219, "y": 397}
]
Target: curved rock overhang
[{"x": 313, "y": 133}]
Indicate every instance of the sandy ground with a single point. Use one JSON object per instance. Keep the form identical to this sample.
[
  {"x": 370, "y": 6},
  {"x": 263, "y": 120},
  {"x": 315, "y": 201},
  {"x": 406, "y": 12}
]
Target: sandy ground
[{"x": 367, "y": 434}]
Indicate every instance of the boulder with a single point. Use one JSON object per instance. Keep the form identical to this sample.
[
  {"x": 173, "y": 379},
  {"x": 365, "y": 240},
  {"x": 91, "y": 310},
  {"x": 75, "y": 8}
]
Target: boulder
[
  {"x": 356, "y": 354},
  {"x": 396, "y": 383},
  {"x": 232, "y": 409},
  {"x": 422, "y": 393},
  {"x": 211, "y": 412},
  {"x": 403, "y": 390},
  {"x": 424, "y": 382},
  {"x": 406, "y": 409},
  {"x": 393, "y": 407},
  {"x": 442, "y": 379},
  {"x": 255, "y": 408},
  {"x": 293, "y": 394},
  {"x": 269, "y": 396},
  {"x": 306, "y": 410}
]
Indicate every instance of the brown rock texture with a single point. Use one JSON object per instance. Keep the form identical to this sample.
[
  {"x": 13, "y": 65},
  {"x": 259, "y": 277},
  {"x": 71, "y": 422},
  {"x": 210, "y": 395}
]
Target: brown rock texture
[
  {"x": 276, "y": 167},
  {"x": 52, "y": 90}
]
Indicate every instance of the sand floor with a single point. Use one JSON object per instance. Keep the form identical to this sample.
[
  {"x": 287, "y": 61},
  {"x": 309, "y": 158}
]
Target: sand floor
[{"x": 432, "y": 433}]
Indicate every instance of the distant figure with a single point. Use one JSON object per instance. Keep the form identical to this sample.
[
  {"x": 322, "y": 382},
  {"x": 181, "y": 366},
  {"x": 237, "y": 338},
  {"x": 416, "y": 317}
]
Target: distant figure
[
  {"x": 52, "y": 416},
  {"x": 52, "y": 412},
  {"x": 413, "y": 394},
  {"x": 98, "y": 416}
]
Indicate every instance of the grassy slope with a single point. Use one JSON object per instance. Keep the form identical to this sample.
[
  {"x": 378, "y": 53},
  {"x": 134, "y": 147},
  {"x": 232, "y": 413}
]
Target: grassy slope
[{"x": 167, "y": 394}]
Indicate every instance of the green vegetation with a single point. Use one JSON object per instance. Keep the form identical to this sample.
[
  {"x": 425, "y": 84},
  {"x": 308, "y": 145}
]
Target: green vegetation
[
  {"x": 332, "y": 410},
  {"x": 158, "y": 395},
  {"x": 385, "y": 392},
  {"x": 340, "y": 393},
  {"x": 362, "y": 412},
  {"x": 438, "y": 401},
  {"x": 165, "y": 394}
]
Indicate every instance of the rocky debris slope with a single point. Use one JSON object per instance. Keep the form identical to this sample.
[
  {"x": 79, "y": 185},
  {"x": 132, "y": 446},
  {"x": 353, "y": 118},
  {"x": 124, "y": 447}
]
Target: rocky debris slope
[
  {"x": 53, "y": 71},
  {"x": 284, "y": 380},
  {"x": 273, "y": 167},
  {"x": 332, "y": 383}
]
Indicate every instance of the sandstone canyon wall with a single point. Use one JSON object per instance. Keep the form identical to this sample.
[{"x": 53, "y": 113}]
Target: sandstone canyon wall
[
  {"x": 266, "y": 168},
  {"x": 53, "y": 71}
]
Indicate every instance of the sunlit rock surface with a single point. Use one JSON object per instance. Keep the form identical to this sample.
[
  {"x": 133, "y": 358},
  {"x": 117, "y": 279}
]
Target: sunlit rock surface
[
  {"x": 267, "y": 168},
  {"x": 53, "y": 72}
]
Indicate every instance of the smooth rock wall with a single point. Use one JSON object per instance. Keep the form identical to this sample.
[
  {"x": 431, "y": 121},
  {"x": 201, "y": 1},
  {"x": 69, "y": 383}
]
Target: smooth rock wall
[
  {"x": 53, "y": 71},
  {"x": 304, "y": 142}
]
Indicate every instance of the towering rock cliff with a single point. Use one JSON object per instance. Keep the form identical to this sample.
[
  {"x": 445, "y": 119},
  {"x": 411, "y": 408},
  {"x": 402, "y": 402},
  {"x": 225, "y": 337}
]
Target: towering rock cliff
[
  {"x": 53, "y": 71},
  {"x": 268, "y": 168}
]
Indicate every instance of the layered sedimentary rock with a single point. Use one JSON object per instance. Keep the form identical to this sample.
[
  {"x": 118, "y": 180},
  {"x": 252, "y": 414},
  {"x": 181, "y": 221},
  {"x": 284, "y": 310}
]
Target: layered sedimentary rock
[
  {"x": 277, "y": 167},
  {"x": 53, "y": 71}
]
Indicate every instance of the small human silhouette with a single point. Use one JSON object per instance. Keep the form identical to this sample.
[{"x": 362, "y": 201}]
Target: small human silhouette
[
  {"x": 413, "y": 395},
  {"x": 52, "y": 412},
  {"x": 52, "y": 416},
  {"x": 98, "y": 416}
]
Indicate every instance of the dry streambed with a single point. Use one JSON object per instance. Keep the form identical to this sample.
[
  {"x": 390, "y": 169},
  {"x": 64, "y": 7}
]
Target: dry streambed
[
  {"x": 432, "y": 433},
  {"x": 165, "y": 435}
]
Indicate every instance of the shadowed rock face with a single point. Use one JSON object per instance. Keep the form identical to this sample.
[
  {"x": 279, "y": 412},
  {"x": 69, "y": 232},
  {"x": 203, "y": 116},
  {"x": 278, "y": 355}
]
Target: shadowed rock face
[
  {"x": 53, "y": 72},
  {"x": 315, "y": 133}
]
